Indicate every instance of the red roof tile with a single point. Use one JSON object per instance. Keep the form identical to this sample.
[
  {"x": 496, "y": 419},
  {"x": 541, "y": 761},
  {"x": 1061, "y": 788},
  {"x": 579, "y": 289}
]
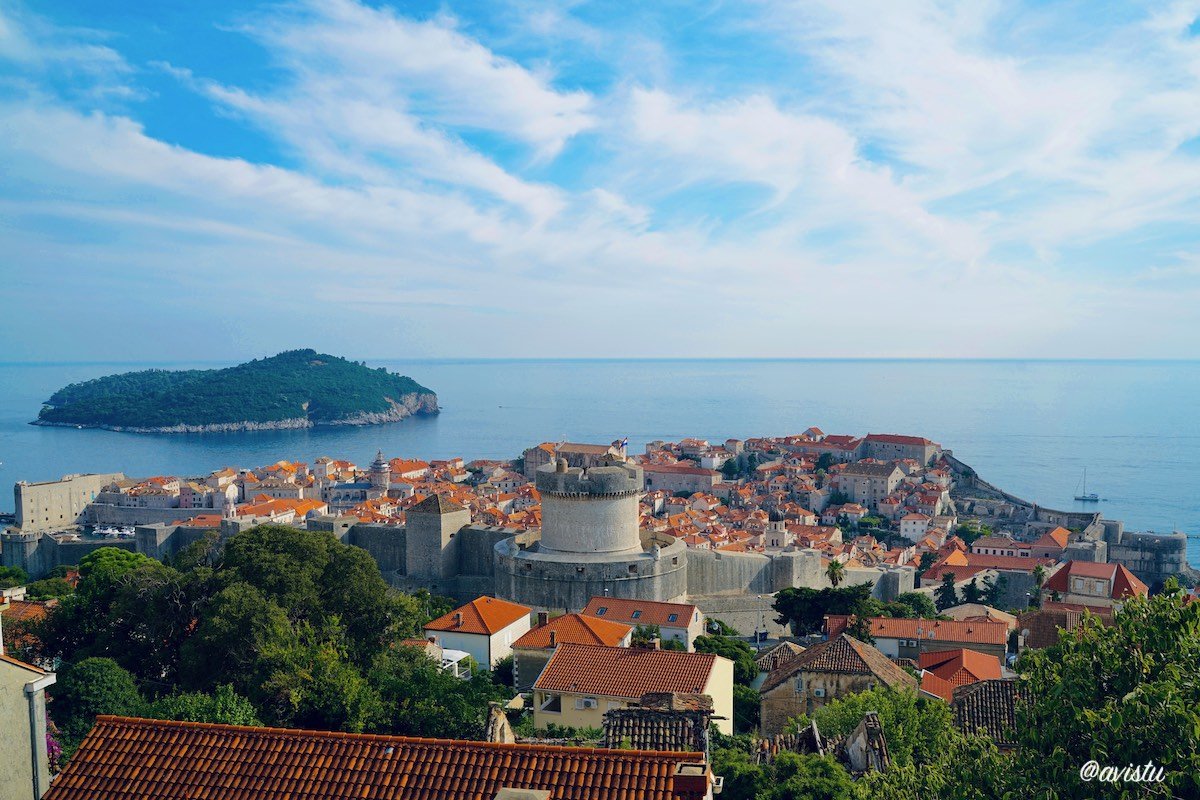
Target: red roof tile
[
  {"x": 623, "y": 671},
  {"x": 575, "y": 629},
  {"x": 930, "y": 629},
  {"x": 483, "y": 615},
  {"x": 1122, "y": 582},
  {"x": 961, "y": 666},
  {"x": 124, "y": 758},
  {"x": 641, "y": 612}
]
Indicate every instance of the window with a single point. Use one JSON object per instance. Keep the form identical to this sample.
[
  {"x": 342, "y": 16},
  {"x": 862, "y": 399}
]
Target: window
[
  {"x": 799, "y": 684},
  {"x": 601, "y": 611},
  {"x": 672, "y": 617},
  {"x": 633, "y": 569},
  {"x": 637, "y": 614}
]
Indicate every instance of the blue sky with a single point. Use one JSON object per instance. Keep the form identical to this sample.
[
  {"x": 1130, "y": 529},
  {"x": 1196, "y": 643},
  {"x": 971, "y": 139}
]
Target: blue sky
[{"x": 520, "y": 179}]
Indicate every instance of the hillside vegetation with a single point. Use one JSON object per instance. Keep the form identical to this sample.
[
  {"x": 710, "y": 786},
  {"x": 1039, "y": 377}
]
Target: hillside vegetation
[{"x": 295, "y": 385}]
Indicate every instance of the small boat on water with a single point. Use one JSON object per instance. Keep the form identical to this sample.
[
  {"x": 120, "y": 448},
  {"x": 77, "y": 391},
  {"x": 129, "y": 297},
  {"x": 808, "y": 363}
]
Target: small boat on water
[{"x": 1085, "y": 496}]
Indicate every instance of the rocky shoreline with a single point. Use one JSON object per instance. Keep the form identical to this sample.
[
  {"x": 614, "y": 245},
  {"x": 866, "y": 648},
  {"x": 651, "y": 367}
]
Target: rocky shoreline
[{"x": 408, "y": 405}]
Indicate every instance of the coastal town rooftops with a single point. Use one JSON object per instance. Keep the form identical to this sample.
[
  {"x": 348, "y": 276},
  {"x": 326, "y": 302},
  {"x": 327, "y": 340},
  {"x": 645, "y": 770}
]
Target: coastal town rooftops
[
  {"x": 139, "y": 758},
  {"x": 642, "y": 612},
  {"x": 840, "y": 654},
  {"x": 961, "y": 665},
  {"x": 627, "y": 672},
  {"x": 936, "y": 630},
  {"x": 574, "y": 629},
  {"x": 483, "y": 615},
  {"x": 1122, "y": 582}
]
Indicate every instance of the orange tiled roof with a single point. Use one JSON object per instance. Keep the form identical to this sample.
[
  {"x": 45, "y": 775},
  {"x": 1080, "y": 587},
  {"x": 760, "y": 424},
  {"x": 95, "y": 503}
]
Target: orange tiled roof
[
  {"x": 627, "y": 672},
  {"x": 961, "y": 666},
  {"x": 930, "y": 629},
  {"x": 485, "y": 615},
  {"x": 1121, "y": 582},
  {"x": 939, "y": 687},
  {"x": 130, "y": 758},
  {"x": 10, "y": 660},
  {"x": 641, "y": 612},
  {"x": 575, "y": 629}
]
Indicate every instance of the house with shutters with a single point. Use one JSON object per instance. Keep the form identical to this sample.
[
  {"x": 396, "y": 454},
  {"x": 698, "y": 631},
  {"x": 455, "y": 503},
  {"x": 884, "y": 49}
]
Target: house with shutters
[{"x": 1091, "y": 584}]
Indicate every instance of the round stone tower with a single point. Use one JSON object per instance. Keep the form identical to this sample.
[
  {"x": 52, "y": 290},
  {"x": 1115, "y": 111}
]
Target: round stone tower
[
  {"x": 590, "y": 511},
  {"x": 590, "y": 543}
]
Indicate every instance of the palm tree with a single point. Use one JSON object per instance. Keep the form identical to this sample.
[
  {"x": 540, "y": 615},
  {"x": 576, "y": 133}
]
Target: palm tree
[{"x": 835, "y": 572}]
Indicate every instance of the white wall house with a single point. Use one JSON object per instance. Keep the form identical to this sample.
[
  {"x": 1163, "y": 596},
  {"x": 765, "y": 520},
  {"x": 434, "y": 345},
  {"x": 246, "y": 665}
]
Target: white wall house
[{"x": 485, "y": 627}]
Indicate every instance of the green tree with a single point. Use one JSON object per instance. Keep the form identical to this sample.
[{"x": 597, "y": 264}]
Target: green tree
[
  {"x": 825, "y": 461},
  {"x": 927, "y": 561},
  {"x": 839, "y": 498},
  {"x": 971, "y": 592},
  {"x": 916, "y": 728},
  {"x": 919, "y": 602},
  {"x": 730, "y": 469},
  {"x": 12, "y": 576},
  {"x": 1124, "y": 694},
  {"x": 946, "y": 595},
  {"x": 223, "y": 706},
  {"x": 502, "y": 672},
  {"x": 994, "y": 589},
  {"x": 48, "y": 588},
  {"x": 835, "y": 572},
  {"x": 747, "y": 706},
  {"x": 87, "y": 688},
  {"x": 420, "y": 699},
  {"x": 739, "y": 652},
  {"x": 1039, "y": 578},
  {"x": 796, "y": 776},
  {"x": 804, "y": 608},
  {"x": 721, "y": 628},
  {"x": 109, "y": 563}
]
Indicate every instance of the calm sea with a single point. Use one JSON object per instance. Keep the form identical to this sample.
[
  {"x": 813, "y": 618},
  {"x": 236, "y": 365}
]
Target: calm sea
[{"x": 1029, "y": 426}]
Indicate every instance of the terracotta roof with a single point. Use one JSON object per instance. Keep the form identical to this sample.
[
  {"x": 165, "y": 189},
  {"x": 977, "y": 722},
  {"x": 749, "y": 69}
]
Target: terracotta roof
[
  {"x": 1041, "y": 627},
  {"x": 961, "y": 666},
  {"x": 989, "y": 706},
  {"x": 26, "y": 610},
  {"x": 930, "y": 629},
  {"x": 770, "y": 660},
  {"x": 938, "y": 687},
  {"x": 841, "y": 654},
  {"x": 627, "y": 672},
  {"x": 641, "y": 612},
  {"x": 664, "y": 721},
  {"x": 136, "y": 758},
  {"x": 1057, "y": 538},
  {"x": 435, "y": 504},
  {"x": 575, "y": 629},
  {"x": 483, "y": 615},
  {"x": 1122, "y": 582}
]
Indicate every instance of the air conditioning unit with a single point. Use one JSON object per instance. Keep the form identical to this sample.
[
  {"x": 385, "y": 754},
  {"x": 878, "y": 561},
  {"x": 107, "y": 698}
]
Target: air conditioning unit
[
  {"x": 587, "y": 702},
  {"x": 819, "y": 692}
]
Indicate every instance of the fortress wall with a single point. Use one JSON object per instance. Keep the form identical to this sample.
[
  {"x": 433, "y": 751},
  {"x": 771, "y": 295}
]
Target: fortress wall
[
  {"x": 477, "y": 549},
  {"x": 1150, "y": 556},
  {"x": 387, "y": 544},
  {"x": 590, "y": 524},
  {"x": 715, "y": 573},
  {"x": 104, "y": 514},
  {"x": 57, "y": 504}
]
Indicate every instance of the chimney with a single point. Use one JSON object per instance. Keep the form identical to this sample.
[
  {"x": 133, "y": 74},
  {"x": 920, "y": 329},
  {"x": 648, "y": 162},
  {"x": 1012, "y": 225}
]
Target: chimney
[
  {"x": 543, "y": 618},
  {"x": 691, "y": 781},
  {"x": 656, "y": 643},
  {"x": 554, "y": 638}
]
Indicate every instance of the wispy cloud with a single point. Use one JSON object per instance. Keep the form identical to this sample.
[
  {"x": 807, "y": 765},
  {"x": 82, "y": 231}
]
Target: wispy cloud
[{"x": 807, "y": 179}]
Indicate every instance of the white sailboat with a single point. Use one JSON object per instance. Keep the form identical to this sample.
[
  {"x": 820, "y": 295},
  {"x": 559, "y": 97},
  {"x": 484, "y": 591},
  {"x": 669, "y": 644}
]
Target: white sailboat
[{"x": 1085, "y": 496}]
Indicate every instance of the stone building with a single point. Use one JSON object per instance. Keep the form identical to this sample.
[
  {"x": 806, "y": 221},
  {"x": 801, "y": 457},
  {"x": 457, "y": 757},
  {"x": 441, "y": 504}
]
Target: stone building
[
  {"x": 832, "y": 669},
  {"x": 867, "y": 484},
  {"x": 583, "y": 456},
  {"x": 58, "y": 504},
  {"x": 893, "y": 447}
]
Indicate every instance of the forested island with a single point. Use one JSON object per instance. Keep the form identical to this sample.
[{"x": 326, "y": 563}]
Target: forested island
[{"x": 295, "y": 389}]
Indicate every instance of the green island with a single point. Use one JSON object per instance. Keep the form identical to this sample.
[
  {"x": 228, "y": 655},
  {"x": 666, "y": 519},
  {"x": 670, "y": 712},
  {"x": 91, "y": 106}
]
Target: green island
[{"x": 295, "y": 389}]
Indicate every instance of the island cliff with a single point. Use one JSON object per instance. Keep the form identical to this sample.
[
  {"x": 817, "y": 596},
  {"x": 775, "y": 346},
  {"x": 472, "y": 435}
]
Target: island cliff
[{"x": 295, "y": 389}]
